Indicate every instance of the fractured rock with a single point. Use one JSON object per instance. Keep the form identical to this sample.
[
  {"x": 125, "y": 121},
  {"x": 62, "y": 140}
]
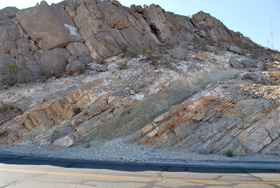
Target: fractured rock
[
  {"x": 158, "y": 22},
  {"x": 77, "y": 49},
  {"x": 178, "y": 53},
  {"x": 54, "y": 61},
  {"x": 49, "y": 26},
  {"x": 75, "y": 66},
  {"x": 235, "y": 49}
]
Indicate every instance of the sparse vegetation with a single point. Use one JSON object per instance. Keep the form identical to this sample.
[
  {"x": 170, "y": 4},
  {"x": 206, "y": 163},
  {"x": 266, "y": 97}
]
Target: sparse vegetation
[
  {"x": 229, "y": 153},
  {"x": 122, "y": 65},
  {"x": 76, "y": 110},
  {"x": 14, "y": 72},
  {"x": 151, "y": 55}
]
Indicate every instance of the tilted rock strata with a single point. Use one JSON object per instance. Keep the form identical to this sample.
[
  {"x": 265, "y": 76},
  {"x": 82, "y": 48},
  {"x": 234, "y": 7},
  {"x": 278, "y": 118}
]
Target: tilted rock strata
[
  {"x": 113, "y": 100},
  {"x": 224, "y": 117},
  {"x": 161, "y": 98}
]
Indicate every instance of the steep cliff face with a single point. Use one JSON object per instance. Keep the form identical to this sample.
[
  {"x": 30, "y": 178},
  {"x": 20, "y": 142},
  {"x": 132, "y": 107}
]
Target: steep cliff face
[{"x": 160, "y": 79}]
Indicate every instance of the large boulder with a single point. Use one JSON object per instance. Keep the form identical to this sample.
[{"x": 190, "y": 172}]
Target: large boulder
[
  {"x": 54, "y": 61},
  {"x": 9, "y": 33},
  {"x": 157, "y": 20},
  {"x": 114, "y": 16},
  {"x": 10, "y": 12},
  {"x": 49, "y": 26},
  {"x": 215, "y": 29},
  {"x": 103, "y": 46},
  {"x": 77, "y": 49},
  {"x": 75, "y": 66},
  {"x": 10, "y": 72}
]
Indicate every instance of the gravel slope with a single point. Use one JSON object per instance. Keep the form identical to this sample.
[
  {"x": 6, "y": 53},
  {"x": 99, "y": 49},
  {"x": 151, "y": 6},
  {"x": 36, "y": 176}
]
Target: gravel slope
[{"x": 116, "y": 150}]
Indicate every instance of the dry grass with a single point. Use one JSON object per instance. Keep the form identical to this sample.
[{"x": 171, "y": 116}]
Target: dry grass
[{"x": 274, "y": 74}]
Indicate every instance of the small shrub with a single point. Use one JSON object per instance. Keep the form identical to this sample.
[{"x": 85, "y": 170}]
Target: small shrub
[
  {"x": 122, "y": 65},
  {"x": 14, "y": 74},
  {"x": 151, "y": 55},
  {"x": 229, "y": 153},
  {"x": 76, "y": 110}
]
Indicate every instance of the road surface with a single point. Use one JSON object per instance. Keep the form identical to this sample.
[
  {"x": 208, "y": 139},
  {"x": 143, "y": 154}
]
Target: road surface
[{"x": 32, "y": 172}]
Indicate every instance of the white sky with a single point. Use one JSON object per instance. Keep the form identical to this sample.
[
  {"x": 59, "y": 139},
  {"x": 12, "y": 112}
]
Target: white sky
[{"x": 20, "y": 4}]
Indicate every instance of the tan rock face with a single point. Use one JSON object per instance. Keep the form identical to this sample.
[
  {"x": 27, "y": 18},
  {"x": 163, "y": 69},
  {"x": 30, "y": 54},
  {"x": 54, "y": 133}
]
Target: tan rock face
[
  {"x": 100, "y": 29},
  {"x": 214, "y": 122},
  {"x": 161, "y": 98},
  {"x": 49, "y": 26},
  {"x": 54, "y": 61}
]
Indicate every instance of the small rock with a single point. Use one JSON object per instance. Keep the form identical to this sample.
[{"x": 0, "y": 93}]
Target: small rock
[
  {"x": 65, "y": 141},
  {"x": 132, "y": 92},
  {"x": 235, "y": 49},
  {"x": 86, "y": 145},
  {"x": 75, "y": 66},
  {"x": 235, "y": 63},
  {"x": 101, "y": 68},
  {"x": 178, "y": 53}
]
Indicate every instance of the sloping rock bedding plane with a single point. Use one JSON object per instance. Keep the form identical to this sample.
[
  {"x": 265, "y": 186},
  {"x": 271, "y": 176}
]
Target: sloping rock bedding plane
[{"x": 83, "y": 70}]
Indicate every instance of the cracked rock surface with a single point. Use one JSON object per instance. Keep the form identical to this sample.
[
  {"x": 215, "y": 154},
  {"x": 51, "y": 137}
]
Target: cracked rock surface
[{"x": 133, "y": 79}]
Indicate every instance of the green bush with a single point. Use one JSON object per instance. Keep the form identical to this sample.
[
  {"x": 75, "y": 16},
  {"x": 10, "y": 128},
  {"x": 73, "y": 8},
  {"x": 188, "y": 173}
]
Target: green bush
[
  {"x": 229, "y": 153},
  {"x": 76, "y": 110},
  {"x": 151, "y": 55},
  {"x": 14, "y": 73}
]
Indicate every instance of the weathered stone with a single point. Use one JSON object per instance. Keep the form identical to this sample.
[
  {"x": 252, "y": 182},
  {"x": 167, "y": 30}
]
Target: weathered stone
[
  {"x": 119, "y": 39},
  {"x": 238, "y": 114},
  {"x": 10, "y": 12},
  {"x": 8, "y": 69},
  {"x": 33, "y": 47},
  {"x": 178, "y": 53},
  {"x": 147, "y": 129},
  {"x": 23, "y": 133},
  {"x": 54, "y": 61},
  {"x": 109, "y": 43},
  {"x": 132, "y": 36},
  {"x": 238, "y": 64},
  {"x": 213, "y": 28},
  {"x": 273, "y": 149},
  {"x": 77, "y": 49},
  {"x": 235, "y": 49},
  {"x": 65, "y": 141},
  {"x": 100, "y": 68},
  {"x": 87, "y": 126},
  {"x": 9, "y": 30},
  {"x": 235, "y": 63},
  {"x": 75, "y": 66},
  {"x": 157, "y": 20},
  {"x": 28, "y": 124},
  {"x": 114, "y": 16},
  {"x": 97, "y": 50},
  {"x": 39, "y": 23}
]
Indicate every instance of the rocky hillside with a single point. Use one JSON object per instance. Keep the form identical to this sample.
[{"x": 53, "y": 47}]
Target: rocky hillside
[{"x": 82, "y": 70}]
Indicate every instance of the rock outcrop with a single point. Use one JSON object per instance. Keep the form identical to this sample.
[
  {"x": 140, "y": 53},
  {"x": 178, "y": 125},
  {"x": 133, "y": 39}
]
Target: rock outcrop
[
  {"x": 98, "y": 30},
  {"x": 49, "y": 26},
  {"x": 226, "y": 116},
  {"x": 104, "y": 71}
]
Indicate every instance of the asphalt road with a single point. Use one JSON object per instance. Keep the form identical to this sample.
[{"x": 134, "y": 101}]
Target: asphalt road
[{"x": 32, "y": 172}]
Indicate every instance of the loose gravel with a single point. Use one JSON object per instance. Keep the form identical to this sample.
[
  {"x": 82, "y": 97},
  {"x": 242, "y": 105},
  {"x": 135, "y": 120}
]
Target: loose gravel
[{"x": 116, "y": 150}]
